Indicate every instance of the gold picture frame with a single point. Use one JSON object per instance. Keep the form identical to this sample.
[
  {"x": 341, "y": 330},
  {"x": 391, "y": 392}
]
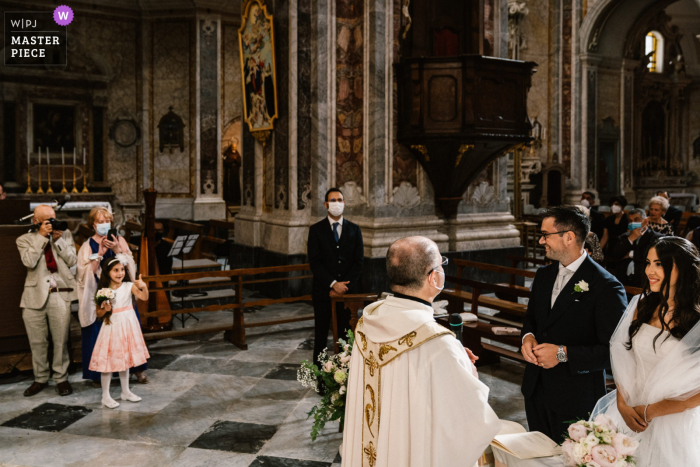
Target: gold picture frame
[{"x": 256, "y": 39}]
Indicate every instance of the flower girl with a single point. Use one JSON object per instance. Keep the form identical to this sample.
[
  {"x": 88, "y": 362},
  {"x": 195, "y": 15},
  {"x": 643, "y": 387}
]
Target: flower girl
[{"x": 120, "y": 344}]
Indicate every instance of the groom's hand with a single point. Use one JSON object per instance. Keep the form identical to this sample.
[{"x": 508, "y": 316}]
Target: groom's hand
[
  {"x": 528, "y": 344},
  {"x": 546, "y": 355}
]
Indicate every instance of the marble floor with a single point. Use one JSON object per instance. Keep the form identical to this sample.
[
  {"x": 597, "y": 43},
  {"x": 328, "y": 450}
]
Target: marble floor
[{"x": 207, "y": 404}]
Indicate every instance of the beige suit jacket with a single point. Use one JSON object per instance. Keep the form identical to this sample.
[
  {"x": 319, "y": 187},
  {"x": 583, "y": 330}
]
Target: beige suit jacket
[{"x": 36, "y": 285}]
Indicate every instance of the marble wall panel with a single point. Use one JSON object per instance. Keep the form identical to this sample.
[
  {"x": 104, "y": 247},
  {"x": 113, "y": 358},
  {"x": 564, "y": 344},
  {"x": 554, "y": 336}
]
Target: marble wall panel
[
  {"x": 303, "y": 103},
  {"x": 121, "y": 38},
  {"x": 608, "y": 95},
  {"x": 231, "y": 70},
  {"x": 208, "y": 106},
  {"x": 349, "y": 85},
  {"x": 566, "y": 76},
  {"x": 248, "y": 156},
  {"x": 281, "y": 133},
  {"x": 171, "y": 86}
]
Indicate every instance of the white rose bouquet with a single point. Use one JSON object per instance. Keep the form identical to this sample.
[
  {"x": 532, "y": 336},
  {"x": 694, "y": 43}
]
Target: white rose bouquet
[
  {"x": 598, "y": 444},
  {"x": 333, "y": 375},
  {"x": 102, "y": 296}
]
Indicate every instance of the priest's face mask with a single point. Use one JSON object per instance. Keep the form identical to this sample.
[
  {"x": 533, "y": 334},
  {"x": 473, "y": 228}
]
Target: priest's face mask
[{"x": 436, "y": 276}]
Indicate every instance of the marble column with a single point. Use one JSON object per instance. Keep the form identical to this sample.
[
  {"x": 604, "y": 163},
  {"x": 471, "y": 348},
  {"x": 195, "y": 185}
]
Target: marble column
[
  {"x": 209, "y": 202},
  {"x": 626, "y": 127},
  {"x": 589, "y": 113}
]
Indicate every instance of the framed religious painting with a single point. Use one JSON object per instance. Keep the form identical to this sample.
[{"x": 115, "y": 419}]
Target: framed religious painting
[{"x": 256, "y": 39}]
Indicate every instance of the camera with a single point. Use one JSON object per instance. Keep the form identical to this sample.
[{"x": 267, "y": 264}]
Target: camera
[{"x": 55, "y": 225}]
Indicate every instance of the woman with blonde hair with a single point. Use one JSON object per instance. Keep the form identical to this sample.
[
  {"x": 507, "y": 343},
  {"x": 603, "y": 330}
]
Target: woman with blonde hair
[
  {"x": 92, "y": 255},
  {"x": 658, "y": 205}
]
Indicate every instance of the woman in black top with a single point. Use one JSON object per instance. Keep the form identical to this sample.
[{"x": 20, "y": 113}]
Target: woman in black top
[{"x": 615, "y": 223}]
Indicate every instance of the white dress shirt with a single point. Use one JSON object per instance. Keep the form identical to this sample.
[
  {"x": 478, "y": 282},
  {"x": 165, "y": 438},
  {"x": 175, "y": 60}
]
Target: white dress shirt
[
  {"x": 571, "y": 270},
  {"x": 340, "y": 232}
]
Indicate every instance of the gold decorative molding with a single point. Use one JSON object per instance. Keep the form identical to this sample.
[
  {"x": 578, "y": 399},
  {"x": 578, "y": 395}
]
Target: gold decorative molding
[
  {"x": 462, "y": 149},
  {"x": 422, "y": 149}
]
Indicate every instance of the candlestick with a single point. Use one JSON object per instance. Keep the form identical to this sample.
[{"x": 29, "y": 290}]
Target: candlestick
[
  {"x": 74, "y": 190},
  {"x": 85, "y": 190},
  {"x": 40, "y": 191},
  {"x": 48, "y": 172},
  {"x": 63, "y": 172},
  {"x": 29, "y": 178}
]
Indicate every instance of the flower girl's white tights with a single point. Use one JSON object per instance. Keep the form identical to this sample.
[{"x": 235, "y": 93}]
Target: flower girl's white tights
[{"x": 127, "y": 395}]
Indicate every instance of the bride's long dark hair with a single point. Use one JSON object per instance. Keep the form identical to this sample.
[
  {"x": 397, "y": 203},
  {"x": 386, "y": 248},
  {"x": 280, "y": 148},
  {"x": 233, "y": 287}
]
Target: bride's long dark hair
[{"x": 686, "y": 312}]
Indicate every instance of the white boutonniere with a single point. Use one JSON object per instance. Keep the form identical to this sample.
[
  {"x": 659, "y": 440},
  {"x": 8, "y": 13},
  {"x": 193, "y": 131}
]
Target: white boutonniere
[{"x": 582, "y": 286}]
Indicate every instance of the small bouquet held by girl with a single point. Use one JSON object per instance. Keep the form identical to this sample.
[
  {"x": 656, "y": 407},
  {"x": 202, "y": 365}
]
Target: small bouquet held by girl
[
  {"x": 333, "y": 374},
  {"x": 598, "y": 444},
  {"x": 102, "y": 296},
  {"x": 120, "y": 344}
]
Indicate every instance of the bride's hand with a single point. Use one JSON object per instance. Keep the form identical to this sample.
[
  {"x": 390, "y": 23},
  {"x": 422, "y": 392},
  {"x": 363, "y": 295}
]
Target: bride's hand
[{"x": 633, "y": 420}]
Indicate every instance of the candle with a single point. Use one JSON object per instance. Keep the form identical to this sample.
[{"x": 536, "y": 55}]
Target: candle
[
  {"x": 39, "y": 159},
  {"x": 48, "y": 161},
  {"x": 84, "y": 157},
  {"x": 73, "y": 158},
  {"x": 63, "y": 157}
]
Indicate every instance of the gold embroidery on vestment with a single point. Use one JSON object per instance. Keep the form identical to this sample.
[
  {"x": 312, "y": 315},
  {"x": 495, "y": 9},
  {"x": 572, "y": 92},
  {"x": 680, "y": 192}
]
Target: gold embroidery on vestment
[
  {"x": 385, "y": 349},
  {"x": 408, "y": 339},
  {"x": 363, "y": 339},
  {"x": 372, "y": 363},
  {"x": 370, "y": 409},
  {"x": 371, "y": 454}
]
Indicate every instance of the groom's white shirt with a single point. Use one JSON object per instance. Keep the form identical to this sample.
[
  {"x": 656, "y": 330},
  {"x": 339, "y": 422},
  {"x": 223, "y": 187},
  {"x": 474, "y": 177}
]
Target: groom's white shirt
[
  {"x": 573, "y": 267},
  {"x": 434, "y": 412}
]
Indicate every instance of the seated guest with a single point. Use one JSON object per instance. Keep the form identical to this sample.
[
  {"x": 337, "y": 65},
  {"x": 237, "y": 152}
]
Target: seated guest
[
  {"x": 658, "y": 206},
  {"x": 615, "y": 224},
  {"x": 597, "y": 218},
  {"x": 633, "y": 245},
  {"x": 591, "y": 244},
  {"x": 673, "y": 216},
  {"x": 692, "y": 231}
]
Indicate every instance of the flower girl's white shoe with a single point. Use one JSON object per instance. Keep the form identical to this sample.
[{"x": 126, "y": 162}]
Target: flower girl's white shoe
[
  {"x": 110, "y": 403},
  {"x": 131, "y": 397}
]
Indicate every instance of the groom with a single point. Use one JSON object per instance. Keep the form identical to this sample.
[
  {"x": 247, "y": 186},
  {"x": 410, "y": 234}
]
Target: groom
[{"x": 574, "y": 308}]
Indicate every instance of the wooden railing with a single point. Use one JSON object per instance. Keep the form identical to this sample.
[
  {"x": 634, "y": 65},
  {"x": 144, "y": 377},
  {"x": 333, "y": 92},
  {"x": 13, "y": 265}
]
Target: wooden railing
[{"x": 234, "y": 333}]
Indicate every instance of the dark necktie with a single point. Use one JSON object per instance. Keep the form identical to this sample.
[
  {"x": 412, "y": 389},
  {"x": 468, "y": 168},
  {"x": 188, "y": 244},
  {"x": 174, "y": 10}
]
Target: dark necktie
[{"x": 335, "y": 231}]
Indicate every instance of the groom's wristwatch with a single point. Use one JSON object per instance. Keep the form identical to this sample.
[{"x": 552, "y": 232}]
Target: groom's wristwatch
[{"x": 561, "y": 355}]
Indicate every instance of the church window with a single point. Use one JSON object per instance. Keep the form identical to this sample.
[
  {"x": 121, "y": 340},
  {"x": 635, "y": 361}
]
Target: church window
[{"x": 654, "y": 50}]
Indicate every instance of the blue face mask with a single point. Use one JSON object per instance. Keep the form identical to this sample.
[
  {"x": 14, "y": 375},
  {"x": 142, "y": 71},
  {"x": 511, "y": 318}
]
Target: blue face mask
[
  {"x": 103, "y": 229},
  {"x": 634, "y": 225}
]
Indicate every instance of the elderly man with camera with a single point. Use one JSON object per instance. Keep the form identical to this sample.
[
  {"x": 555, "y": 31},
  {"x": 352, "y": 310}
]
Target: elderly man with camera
[{"x": 48, "y": 252}]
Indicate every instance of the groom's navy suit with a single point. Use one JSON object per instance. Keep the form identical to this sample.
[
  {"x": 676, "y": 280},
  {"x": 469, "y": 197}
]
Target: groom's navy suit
[{"x": 584, "y": 322}]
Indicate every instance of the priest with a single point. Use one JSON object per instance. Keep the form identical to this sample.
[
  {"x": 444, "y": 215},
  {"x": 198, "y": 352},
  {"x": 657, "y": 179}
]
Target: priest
[{"x": 414, "y": 398}]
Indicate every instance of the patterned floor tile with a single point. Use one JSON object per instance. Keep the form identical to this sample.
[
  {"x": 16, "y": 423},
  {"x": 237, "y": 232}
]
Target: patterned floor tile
[
  {"x": 48, "y": 417},
  {"x": 266, "y": 461},
  {"x": 246, "y": 438},
  {"x": 284, "y": 371}
]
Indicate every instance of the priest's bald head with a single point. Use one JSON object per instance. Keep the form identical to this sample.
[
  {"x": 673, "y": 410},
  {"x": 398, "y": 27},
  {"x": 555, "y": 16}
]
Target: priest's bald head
[{"x": 414, "y": 266}]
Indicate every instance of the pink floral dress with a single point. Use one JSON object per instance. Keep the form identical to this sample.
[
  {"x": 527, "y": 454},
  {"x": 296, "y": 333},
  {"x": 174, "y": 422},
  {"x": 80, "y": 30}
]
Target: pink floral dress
[{"x": 120, "y": 345}]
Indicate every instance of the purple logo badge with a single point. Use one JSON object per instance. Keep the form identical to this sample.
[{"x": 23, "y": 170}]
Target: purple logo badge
[{"x": 63, "y": 15}]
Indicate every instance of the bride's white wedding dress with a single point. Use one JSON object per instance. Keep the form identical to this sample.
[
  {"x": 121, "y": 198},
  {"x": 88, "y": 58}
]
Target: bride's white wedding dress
[{"x": 647, "y": 374}]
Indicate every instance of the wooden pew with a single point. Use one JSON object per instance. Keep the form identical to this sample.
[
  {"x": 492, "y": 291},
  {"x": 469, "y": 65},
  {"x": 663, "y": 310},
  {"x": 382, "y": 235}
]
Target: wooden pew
[
  {"x": 131, "y": 227},
  {"x": 353, "y": 302},
  {"x": 211, "y": 242}
]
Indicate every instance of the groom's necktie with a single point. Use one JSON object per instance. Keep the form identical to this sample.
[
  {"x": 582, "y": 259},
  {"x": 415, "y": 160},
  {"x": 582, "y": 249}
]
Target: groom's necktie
[{"x": 562, "y": 278}]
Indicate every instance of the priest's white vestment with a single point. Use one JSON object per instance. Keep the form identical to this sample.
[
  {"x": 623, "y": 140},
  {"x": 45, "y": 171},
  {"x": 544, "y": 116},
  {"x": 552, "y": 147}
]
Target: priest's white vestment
[{"x": 413, "y": 398}]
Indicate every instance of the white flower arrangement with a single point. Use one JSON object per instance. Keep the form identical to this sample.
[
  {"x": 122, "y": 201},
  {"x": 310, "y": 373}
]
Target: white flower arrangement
[
  {"x": 598, "y": 444},
  {"x": 102, "y": 296},
  {"x": 333, "y": 375}
]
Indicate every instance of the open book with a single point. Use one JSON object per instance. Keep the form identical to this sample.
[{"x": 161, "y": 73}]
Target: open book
[{"x": 526, "y": 445}]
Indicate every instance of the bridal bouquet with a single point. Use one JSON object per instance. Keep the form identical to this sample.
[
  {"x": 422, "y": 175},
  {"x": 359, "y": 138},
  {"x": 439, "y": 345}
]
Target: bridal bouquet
[
  {"x": 333, "y": 375},
  {"x": 598, "y": 444},
  {"x": 102, "y": 296}
]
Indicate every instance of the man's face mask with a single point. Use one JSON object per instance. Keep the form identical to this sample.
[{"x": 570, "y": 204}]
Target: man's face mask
[{"x": 335, "y": 208}]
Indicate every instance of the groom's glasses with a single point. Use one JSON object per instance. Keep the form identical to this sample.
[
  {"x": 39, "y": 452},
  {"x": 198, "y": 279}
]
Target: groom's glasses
[
  {"x": 545, "y": 235},
  {"x": 444, "y": 263}
]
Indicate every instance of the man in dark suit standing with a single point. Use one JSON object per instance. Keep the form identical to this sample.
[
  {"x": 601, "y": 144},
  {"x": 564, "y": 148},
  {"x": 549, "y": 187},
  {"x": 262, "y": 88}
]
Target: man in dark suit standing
[
  {"x": 633, "y": 245},
  {"x": 336, "y": 254},
  {"x": 597, "y": 218},
  {"x": 673, "y": 216},
  {"x": 574, "y": 308}
]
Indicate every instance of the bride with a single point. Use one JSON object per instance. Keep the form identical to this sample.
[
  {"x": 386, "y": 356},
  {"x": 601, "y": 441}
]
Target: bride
[{"x": 655, "y": 354}]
